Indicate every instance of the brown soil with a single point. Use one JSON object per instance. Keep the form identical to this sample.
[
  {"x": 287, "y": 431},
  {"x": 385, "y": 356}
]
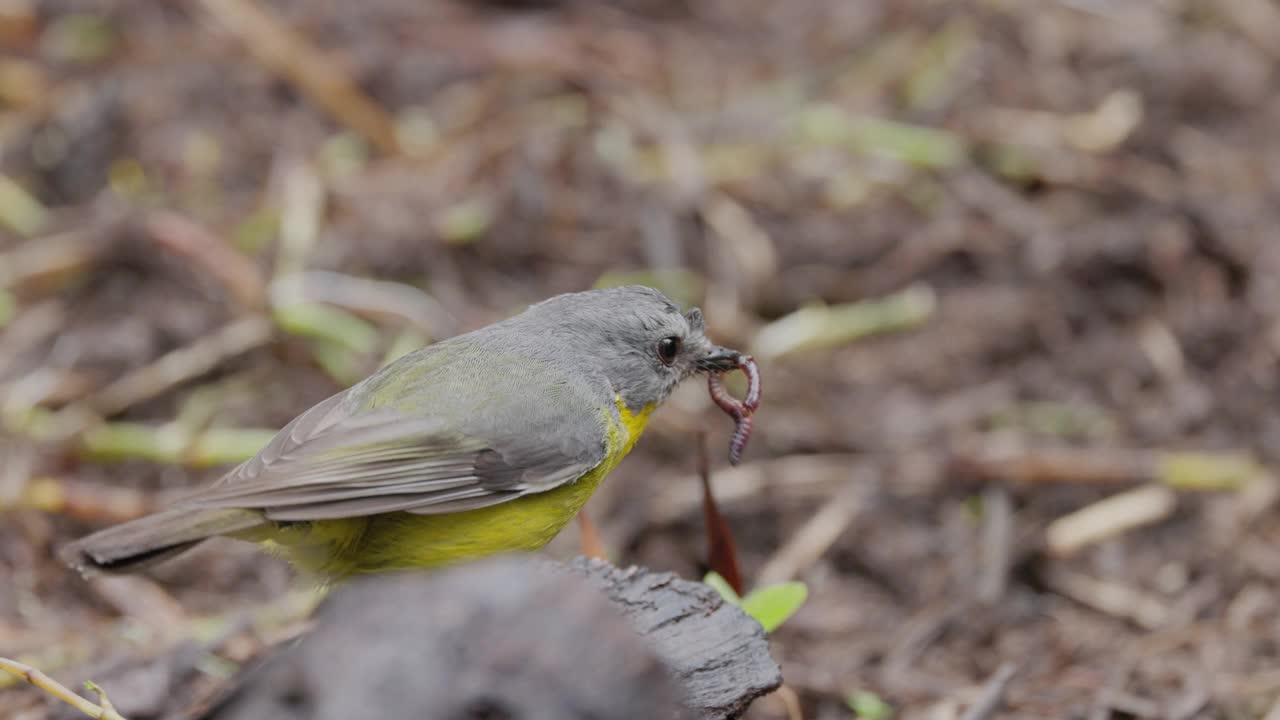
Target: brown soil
[{"x": 1096, "y": 216}]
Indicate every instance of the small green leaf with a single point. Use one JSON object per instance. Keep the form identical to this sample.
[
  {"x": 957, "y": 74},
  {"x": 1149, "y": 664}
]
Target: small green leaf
[
  {"x": 772, "y": 605},
  {"x": 868, "y": 706},
  {"x": 722, "y": 586}
]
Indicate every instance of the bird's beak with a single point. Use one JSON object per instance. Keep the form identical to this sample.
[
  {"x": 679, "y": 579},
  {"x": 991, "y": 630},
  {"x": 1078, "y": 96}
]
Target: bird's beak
[{"x": 720, "y": 359}]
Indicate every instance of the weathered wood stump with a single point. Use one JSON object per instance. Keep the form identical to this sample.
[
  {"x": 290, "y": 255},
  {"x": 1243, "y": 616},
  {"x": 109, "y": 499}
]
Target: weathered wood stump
[{"x": 515, "y": 639}]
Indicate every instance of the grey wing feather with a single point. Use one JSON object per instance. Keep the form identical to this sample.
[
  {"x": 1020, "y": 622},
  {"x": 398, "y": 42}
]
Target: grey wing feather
[{"x": 329, "y": 464}]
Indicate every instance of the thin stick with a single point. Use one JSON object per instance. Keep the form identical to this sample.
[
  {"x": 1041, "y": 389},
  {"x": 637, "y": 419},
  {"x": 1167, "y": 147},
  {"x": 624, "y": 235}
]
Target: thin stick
[
  {"x": 85, "y": 500},
  {"x": 1109, "y": 517},
  {"x": 808, "y": 544},
  {"x": 105, "y": 711},
  {"x": 285, "y": 52},
  {"x": 997, "y": 544},
  {"x": 790, "y": 702},
  {"x": 1110, "y": 598},
  {"x": 108, "y": 710},
  {"x": 236, "y": 338},
  {"x": 992, "y": 694},
  {"x": 43, "y": 261},
  {"x": 211, "y": 253}
]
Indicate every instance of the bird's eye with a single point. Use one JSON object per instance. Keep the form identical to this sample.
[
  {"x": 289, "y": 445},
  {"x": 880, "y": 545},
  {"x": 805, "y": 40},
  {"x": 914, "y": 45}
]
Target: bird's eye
[{"x": 668, "y": 347}]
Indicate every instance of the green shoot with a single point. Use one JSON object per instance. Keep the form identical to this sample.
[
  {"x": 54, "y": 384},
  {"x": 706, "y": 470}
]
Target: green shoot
[
  {"x": 770, "y": 606},
  {"x": 867, "y": 705},
  {"x": 723, "y": 587},
  {"x": 774, "y": 604}
]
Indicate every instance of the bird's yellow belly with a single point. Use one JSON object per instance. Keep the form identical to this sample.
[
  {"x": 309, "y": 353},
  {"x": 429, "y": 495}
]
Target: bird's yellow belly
[{"x": 398, "y": 541}]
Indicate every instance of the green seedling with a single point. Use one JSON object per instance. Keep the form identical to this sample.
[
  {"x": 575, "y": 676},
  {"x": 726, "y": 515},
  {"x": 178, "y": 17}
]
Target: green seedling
[
  {"x": 867, "y": 705},
  {"x": 771, "y": 605}
]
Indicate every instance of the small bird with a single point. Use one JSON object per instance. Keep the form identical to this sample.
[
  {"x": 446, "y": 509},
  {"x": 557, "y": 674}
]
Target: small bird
[{"x": 484, "y": 443}]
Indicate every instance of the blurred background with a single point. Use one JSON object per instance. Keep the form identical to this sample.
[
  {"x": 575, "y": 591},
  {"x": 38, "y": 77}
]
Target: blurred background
[{"x": 1011, "y": 270}]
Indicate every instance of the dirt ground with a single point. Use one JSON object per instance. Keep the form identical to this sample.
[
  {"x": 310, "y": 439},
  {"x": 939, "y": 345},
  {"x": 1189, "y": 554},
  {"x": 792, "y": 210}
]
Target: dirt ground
[{"x": 1077, "y": 202}]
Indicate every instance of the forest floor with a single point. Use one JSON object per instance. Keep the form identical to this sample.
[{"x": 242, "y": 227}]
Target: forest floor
[{"x": 1057, "y": 221}]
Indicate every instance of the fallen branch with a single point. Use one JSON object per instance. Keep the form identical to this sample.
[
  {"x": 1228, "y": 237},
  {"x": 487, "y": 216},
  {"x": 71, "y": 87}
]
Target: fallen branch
[{"x": 645, "y": 645}]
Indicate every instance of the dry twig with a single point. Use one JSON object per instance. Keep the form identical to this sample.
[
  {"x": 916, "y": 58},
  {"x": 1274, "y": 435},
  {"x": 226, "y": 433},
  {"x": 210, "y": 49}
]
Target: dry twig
[
  {"x": 102, "y": 711},
  {"x": 85, "y": 501},
  {"x": 283, "y": 51},
  {"x": 1109, "y": 517},
  {"x": 211, "y": 253},
  {"x": 790, "y": 702},
  {"x": 44, "y": 262},
  {"x": 138, "y": 597},
  {"x": 183, "y": 364},
  {"x": 815, "y": 537},
  {"x": 1200, "y": 471},
  {"x": 1069, "y": 466},
  {"x": 997, "y": 544},
  {"x": 1108, "y": 597},
  {"x": 992, "y": 696}
]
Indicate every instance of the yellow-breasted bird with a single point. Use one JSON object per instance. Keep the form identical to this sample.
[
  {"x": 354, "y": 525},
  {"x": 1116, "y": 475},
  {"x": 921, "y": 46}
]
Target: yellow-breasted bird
[{"x": 484, "y": 443}]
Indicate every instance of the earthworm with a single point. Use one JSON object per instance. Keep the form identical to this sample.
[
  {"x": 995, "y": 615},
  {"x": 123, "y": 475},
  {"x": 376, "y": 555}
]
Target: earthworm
[{"x": 740, "y": 410}]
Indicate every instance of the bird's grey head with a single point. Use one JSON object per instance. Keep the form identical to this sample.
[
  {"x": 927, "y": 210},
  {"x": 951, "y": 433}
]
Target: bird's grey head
[{"x": 633, "y": 335}]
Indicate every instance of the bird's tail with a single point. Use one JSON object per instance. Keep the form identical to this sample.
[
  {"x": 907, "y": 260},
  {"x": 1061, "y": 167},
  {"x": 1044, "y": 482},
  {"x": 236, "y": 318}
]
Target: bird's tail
[{"x": 148, "y": 540}]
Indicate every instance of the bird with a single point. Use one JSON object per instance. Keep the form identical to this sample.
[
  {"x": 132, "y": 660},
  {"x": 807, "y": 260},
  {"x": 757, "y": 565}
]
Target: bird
[{"x": 488, "y": 442}]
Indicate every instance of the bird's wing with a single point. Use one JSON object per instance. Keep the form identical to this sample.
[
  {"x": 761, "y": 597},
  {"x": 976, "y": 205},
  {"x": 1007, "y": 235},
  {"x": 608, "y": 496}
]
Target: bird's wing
[{"x": 330, "y": 463}]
